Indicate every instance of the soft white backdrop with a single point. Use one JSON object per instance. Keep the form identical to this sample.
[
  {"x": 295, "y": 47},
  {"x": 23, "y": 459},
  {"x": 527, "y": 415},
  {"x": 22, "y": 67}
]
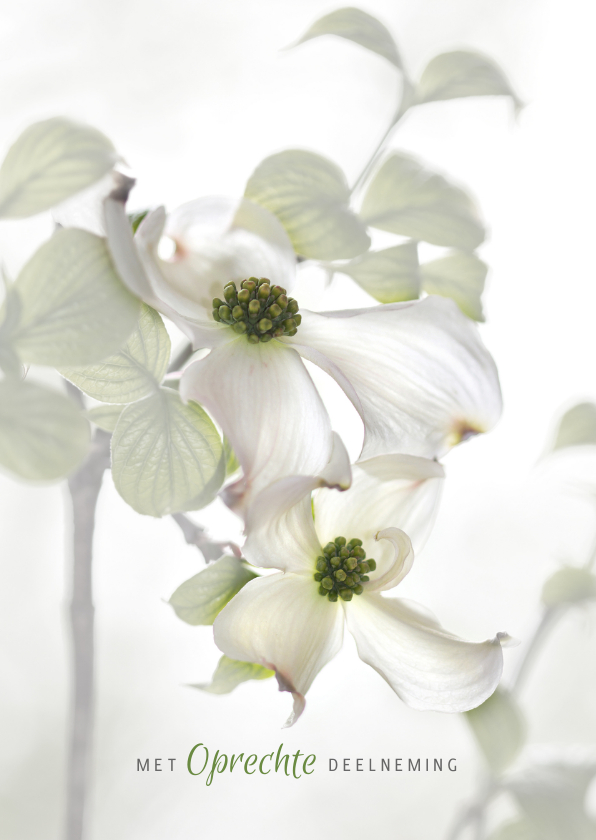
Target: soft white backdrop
[{"x": 194, "y": 95}]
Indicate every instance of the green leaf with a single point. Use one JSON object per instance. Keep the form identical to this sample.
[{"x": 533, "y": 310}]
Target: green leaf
[
  {"x": 201, "y": 598},
  {"x": 499, "y": 728},
  {"x": 463, "y": 73},
  {"x": 43, "y": 435},
  {"x": 408, "y": 199},
  {"x": 310, "y": 196},
  {"x": 49, "y": 162},
  {"x": 134, "y": 371},
  {"x": 360, "y": 27},
  {"x": 232, "y": 463},
  {"x": 459, "y": 276},
  {"x": 230, "y": 673},
  {"x": 74, "y": 307},
  {"x": 568, "y": 586},
  {"x": 521, "y": 829},
  {"x": 105, "y": 416},
  {"x": 577, "y": 427},
  {"x": 166, "y": 456},
  {"x": 390, "y": 275}
]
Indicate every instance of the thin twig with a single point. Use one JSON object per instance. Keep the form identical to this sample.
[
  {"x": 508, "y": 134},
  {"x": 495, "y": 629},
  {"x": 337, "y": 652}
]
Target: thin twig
[
  {"x": 84, "y": 487},
  {"x": 196, "y": 535}
]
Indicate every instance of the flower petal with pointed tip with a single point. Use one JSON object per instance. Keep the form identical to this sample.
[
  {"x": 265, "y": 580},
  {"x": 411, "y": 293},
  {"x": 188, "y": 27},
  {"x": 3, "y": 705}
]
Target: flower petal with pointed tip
[
  {"x": 281, "y": 622},
  {"x": 416, "y": 372},
  {"x": 427, "y": 668}
]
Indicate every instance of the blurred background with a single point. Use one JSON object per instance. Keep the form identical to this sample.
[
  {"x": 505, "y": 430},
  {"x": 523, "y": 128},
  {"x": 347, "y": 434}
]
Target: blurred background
[{"x": 194, "y": 95}]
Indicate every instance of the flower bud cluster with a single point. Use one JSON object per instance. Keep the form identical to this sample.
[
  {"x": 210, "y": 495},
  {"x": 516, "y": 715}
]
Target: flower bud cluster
[
  {"x": 342, "y": 569},
  {"x": 258, "y": 310}
]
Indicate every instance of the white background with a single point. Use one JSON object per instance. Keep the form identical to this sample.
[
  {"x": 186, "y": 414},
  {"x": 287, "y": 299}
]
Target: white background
[{"x": 194, "y": 95}]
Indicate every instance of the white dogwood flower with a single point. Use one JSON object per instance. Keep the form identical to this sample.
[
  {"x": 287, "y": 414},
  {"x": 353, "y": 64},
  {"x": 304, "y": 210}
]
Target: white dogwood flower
[
  {"x": 292, "y": 621},
  {"x": 417, "y": 373}
]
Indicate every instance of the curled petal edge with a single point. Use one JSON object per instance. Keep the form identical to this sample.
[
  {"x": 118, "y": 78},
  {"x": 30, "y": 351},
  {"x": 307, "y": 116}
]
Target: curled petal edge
[{"x": 402, "y": 563}]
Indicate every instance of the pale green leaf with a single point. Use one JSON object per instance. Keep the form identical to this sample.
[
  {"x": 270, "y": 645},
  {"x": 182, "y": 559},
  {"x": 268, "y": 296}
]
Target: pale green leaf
[
  {"x": 499, "y": 728},
  {"x": 521, "y": 829},
  {"x": 134, "y": 371},
  {"x": 577, "y": 427},
  {"x": 50, "y": 161},
  {"x": 309, "y": 195},
  {"x": 360, "y": 27},
  {"x": 407, "y": 199},
  {"x": 232, "y": 463},
  {"x": 200, "y": 599},
  {"x": 390, "y": 275},
  {"x": 230, "y": 673},
  {"x": 463, "y": 73},
  {"x": 568, "y": 586},
  {"x": 43, "y": 435},
  {"x": 105, "y": 416},
  {"x": 459, "y": 276},
  {"x": 74, "y": 307},
  {"x": 166, "y": 456}
]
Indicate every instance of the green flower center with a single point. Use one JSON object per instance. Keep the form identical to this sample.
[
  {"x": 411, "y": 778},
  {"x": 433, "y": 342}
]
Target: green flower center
[
  {"x": 259, "y": 310},
  {"x": 342, "y": 569}
]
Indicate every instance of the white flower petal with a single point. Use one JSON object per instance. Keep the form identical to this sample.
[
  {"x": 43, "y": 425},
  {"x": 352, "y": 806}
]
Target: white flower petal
[
  {"x": 280, "y": 621},
  {"x": 279, "y": 523},
  {"x": 136, "y": 263},
  {"x": 219, "y": 240},
  {"x": 264, "y": 400},
  {"x": 417, "y": 373},
  {"x": 427, "y": 668},
  {"x": 399, "y": 491},
  {"x": 402, "y": 561}
]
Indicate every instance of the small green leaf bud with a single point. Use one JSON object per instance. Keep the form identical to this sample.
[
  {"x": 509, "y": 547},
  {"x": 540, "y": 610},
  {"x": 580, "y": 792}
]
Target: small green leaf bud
[
  {"x": 332, "y": 596},
  {"x": 297, "y": 319},
  {"x": 322, "y": 590},
  {"x": 230, "y": 292},
  {"x": 345, "y": 594},
  {"x": 359, "y": 552},
  {"x": 339, "y": 575},
  {"x": 358, "y": 590},
  {"x": 244, "y": 296},
  {"x": 274, "y": 311},
  {"x": 253, "y": 339},
  {"x": 254, "y": 307},
  {"x": 292, "y": 332},
  {"x": 267, "y": 337},
  {"x": 249, "y": 285},
  {"x": 318, "y": 576},
  {"x": 321, "y": 564},
  {"x": 217, "y": 303},
  {"x": 350, "y": 580},
  {"x": 282, "y": 301},
  {"x": 340, "y": 542},
  {"x": 372, "y": 565},
  {"x": 238, "y": 313},
  {"x": 364, "y": 578},
  {"x": 335, "y": 562},
  {"x": 327, "y": 583},
  {"x": 262, "y": 280},
  {"x": 240, "y": 327},
  {"x": 350, "y": 564},
  {"x": 329, "y": 549},
  {"x": 293, "y": 306},
  {"x": 279, "y": 331},
  {"x": 225, "y": 313},
  {"x": 264, "y": 291},
  {"x": 215, "y": 314},
  {"x": 276, "y": 291},
  {"x": 289, "y": 325},
  {"x": 264, "y": 324},
  {"x": 344, "y": 552},
  {"x": 363, "y": 568}
]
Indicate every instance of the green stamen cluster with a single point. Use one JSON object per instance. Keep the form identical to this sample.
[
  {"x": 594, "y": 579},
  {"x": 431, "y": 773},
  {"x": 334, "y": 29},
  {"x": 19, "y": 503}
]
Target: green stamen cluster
[
  {"x": 259, "y": 310},
  {"x": 342, "y": 569}
]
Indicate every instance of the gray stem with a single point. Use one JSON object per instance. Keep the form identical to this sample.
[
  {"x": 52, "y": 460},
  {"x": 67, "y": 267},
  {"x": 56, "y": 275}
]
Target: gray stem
[{"x": 84, "y": 487}]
